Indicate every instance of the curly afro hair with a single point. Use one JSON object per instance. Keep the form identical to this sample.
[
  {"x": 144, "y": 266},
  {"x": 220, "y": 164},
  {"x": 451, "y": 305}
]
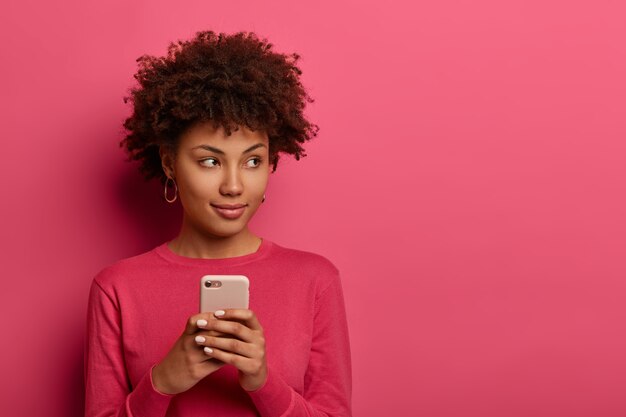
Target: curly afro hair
[{"x": 231, "y": 80}]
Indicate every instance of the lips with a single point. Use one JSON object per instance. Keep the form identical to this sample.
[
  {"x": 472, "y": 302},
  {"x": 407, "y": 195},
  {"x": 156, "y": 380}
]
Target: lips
[
  {"x": 229, "y": 206},
  {"x": 229, "y": 211}
]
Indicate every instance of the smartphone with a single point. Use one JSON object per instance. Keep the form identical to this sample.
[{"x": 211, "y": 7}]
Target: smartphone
[{"x": 218, "y": 292}]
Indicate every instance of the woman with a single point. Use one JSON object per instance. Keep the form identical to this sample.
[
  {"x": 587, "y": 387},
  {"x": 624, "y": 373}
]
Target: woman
[{"x": 208, "y": 121}]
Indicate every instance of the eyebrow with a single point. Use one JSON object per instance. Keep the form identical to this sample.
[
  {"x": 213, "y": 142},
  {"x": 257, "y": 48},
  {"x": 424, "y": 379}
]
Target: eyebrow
[{"x": 221, "y": 152}]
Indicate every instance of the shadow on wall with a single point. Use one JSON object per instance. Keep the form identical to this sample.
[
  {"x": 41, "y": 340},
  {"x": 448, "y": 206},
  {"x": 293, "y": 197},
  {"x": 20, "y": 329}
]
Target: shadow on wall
[
  {"x": 139, "y": 218},
  {"x": 75, "y": 404},
  {"x": 151, "y": 219}
]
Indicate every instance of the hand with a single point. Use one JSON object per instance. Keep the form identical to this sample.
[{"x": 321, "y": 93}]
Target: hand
[
  {"x": 246, "y": 351},
  {"x": 185, "y": 364}
]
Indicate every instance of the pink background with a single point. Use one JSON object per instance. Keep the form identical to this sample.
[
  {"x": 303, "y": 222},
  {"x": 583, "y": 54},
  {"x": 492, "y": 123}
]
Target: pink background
[{"x": 468, "y": 181}]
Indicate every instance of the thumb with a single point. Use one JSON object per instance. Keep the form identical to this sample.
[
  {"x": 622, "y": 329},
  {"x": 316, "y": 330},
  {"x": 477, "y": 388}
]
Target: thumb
[{"x": 192, "y": 323}]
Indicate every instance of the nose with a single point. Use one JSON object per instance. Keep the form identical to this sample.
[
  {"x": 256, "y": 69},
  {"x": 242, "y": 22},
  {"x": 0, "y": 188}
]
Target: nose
[{"x": 231, "y": 182}]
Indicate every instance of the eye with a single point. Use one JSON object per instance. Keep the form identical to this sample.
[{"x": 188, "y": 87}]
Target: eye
[
  {"x": 202, "y": 161},
  {"x": 258, "y": 160}
]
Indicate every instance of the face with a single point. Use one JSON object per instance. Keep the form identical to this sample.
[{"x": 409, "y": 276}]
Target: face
[{"x": 212, "y": 169}]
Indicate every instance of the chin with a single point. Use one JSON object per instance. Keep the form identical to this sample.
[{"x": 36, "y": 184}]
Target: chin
[{"x": 226, "y": 227}]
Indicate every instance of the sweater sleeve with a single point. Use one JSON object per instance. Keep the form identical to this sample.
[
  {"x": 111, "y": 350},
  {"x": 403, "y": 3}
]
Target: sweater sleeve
[
  {"x": 107, "y": 392},
  {"x": 328, "y": 379}
]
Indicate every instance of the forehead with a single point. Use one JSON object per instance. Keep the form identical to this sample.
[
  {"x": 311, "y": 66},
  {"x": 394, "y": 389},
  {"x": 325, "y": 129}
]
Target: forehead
[{"x": 207, "y": 133}]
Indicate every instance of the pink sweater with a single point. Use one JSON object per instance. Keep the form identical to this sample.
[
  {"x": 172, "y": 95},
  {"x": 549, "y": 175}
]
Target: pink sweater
[{"x": 139, "y": 306}]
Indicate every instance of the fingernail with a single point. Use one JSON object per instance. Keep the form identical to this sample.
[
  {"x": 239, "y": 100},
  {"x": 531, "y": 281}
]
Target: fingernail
[
  {"x": 208, "y": 349},
  {"x": 202, "y": 323},
  {"x": 200, "y": 339},
  {"x": 219, "y": 313}
]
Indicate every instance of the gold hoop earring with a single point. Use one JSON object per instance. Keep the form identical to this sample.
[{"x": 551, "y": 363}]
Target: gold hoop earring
[{"x": 175, "y": 190}]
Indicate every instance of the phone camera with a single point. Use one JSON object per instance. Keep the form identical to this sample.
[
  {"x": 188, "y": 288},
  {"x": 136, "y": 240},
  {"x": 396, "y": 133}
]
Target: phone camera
[{"x": 207, "y": 284}]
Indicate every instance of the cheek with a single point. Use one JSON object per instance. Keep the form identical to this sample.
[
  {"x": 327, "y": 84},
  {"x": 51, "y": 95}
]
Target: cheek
[
  {"x": 199, "y": 189},
  {"x": 258, "y": 182}
]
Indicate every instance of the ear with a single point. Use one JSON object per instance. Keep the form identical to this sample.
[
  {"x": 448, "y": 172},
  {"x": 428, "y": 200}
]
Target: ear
[{"x": 167, "y": 162}]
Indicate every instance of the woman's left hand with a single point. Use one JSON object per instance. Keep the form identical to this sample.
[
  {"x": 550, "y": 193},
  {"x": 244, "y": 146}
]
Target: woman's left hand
[{"x": 245, "y": 351}]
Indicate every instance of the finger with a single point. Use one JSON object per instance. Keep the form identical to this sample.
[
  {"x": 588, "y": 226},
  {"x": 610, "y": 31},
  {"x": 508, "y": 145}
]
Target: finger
[
  {"x": 202, "y": 332},
  {"x": 233, "y": 328},
  {"x": 198, "y": 356},
  {"x": 195, "y": 322},
  {"x": 246, "y": 316},
  {"x": 249, "y": 350},
  {"x": 209, "y": 364},
  {"x": 242, "y": 363}
]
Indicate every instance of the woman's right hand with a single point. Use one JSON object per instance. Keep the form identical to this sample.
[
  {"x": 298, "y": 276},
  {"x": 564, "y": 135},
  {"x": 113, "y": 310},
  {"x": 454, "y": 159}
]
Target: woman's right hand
[{"x": 186, "y": 363}]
